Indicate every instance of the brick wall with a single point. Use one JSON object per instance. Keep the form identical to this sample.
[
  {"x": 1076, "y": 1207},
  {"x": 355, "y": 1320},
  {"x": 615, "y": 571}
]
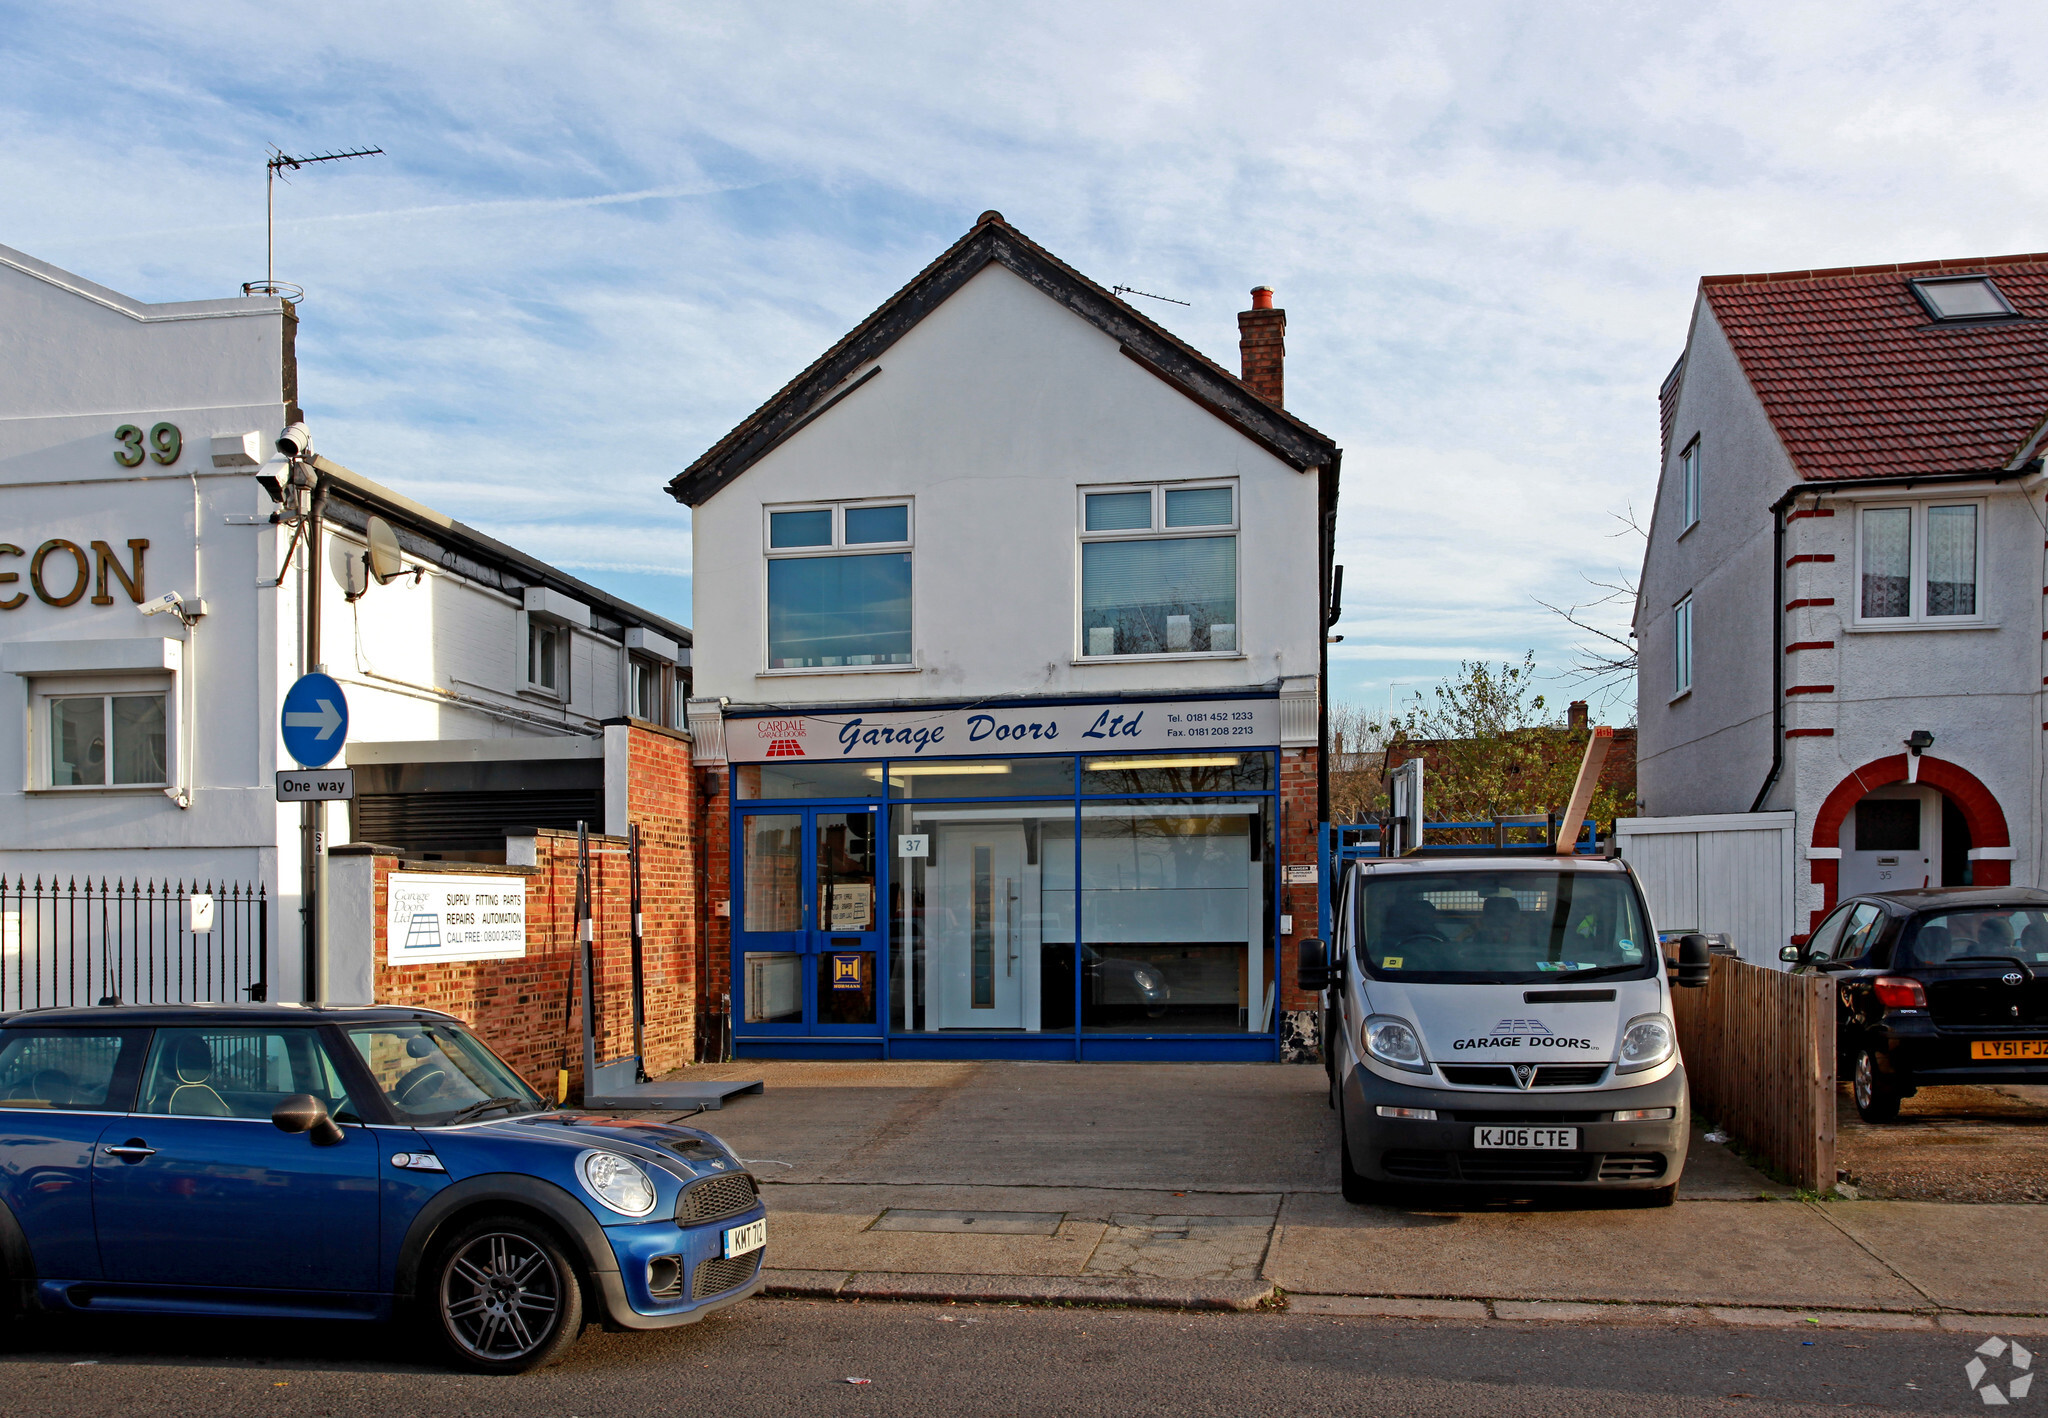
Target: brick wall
[
  {"x": 525, "y": 1008},
  {"x": 714, "y": 891},
  {"x": 1297, "y": 848}
]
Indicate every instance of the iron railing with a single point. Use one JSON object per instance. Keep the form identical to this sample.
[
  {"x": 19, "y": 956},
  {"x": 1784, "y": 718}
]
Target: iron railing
[{"x": 78, "y": 942}]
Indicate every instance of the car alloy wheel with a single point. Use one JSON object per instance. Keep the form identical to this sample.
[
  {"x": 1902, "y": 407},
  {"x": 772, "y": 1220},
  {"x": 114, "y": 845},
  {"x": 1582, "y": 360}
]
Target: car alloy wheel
[
  {"x": 1876, "y": 1102},
  {"x": 501, "y": 1297}
]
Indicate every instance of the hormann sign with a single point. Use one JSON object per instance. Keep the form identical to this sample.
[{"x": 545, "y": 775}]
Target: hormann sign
[{"x": 998, "y": 729}]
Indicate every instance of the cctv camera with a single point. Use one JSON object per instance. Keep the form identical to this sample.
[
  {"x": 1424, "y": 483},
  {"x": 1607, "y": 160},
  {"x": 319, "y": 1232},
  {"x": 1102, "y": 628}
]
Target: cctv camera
[
  {"x": 168, "y": 601},
  {"x": 296, "y": 441}
]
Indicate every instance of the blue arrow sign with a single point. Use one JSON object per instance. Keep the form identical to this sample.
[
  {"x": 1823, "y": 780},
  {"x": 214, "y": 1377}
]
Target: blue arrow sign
[{"x": 315, "y": 721}]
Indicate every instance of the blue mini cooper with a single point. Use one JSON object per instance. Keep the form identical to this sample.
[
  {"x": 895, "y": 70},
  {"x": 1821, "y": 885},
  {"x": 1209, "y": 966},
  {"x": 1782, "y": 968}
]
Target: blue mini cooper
[{"x": 377, "y": 1163}]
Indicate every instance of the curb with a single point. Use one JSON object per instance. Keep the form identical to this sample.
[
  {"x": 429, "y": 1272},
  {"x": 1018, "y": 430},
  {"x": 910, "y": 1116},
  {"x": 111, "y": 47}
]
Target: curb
[
  {"x": 1730, "y": 1316},
  {"x": 1018, "y": 1289}
]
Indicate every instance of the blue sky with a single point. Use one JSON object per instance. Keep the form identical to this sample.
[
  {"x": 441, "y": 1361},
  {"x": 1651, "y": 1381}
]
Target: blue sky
[{"x": 602, "y": 234}]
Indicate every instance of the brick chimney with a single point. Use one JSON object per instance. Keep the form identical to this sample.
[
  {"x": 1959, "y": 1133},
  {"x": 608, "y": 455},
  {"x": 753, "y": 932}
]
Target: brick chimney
[
  {"x": 1262, "y": 344},
  {"x": 1575, "y": 716}
]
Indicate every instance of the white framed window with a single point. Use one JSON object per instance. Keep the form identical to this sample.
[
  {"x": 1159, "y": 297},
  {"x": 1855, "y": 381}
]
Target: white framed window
[
  {"x": 547, "y": 656},
  {"x": 839, "y": 576},
  {"x": 101, "y": 732},
  {"x": 1920, "y": 562},
  {"x": 1689, "y": 486},
  {"x": 647, "y": 689},
  {"x": 1159, "y": 570},
  {"x": 1681, "y": 646}
]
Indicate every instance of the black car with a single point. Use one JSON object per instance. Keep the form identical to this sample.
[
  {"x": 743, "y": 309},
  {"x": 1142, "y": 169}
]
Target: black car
[{"x": 1935, "y": 987}]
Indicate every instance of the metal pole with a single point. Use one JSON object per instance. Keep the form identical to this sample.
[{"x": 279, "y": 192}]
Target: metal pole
[
  {"x": 639, "y": 979},
  {"x": 312, "y": 834},
  {"x": 586, "y": 961}
]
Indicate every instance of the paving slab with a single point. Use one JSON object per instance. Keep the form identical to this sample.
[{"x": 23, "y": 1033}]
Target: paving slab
[
  {"x": 1696, "y": 1252},
  {"x": 1159, "y": 1126},
  {"x": 1075, "y": 1203},
  {"x": 969, "y": 1223},
  {"x": 1182, "y": 1247},
  {"x": 2025, "y": 1326},
  {"x": 1991, "y": 1258}
]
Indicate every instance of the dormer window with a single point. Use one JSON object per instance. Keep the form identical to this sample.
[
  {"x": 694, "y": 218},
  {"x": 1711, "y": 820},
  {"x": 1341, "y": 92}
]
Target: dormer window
[{"x": 1963, "y": 298}]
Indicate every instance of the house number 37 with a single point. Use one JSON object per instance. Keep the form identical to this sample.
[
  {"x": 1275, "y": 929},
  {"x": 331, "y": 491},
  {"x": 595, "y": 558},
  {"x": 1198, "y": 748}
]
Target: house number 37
[{"x": 164, "y": 444}]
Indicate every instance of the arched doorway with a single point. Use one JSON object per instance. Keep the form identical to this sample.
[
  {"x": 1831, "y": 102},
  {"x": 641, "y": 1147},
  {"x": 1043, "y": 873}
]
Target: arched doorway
[{"x": 1921, "y": 827}]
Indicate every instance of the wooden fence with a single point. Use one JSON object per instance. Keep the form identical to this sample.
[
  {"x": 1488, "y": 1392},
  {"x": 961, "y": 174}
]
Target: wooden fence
[{"x": 1759, "y": 1047}]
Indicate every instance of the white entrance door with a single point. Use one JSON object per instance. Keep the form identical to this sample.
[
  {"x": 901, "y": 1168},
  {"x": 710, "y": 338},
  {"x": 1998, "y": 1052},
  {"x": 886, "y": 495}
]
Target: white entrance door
[
  {"x": 977, "y": 926},
  {"x": 1892, "y": 841}
]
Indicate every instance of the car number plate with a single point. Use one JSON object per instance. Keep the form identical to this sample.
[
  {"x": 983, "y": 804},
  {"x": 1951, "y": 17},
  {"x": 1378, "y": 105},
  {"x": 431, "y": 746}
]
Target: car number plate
[
  {"x": 1534, "y": 1139},
  {"x": 2009, "y": 1049},
  {"x": 750, "y": 1237}
]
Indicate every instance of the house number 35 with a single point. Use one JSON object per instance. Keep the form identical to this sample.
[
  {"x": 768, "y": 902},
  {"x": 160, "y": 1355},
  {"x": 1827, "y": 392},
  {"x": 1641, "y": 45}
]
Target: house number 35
[{"x": 165, "y": 443}]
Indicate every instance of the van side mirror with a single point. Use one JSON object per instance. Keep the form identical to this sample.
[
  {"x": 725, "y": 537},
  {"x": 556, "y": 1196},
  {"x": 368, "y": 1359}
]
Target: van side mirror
[
  {"x": 1695, "y": 961},
  {"x": 1312, "y": 971},
  {"x": 302, "y": 1112},
  {"x": 1790, "y": 954}
]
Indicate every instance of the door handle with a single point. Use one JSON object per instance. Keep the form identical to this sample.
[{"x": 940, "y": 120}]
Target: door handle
[{"x": 134, "y": 1150}]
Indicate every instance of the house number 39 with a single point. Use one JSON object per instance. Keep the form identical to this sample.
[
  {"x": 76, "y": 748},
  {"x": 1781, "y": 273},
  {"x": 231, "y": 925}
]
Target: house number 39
[{"x": 165, "y": 443}]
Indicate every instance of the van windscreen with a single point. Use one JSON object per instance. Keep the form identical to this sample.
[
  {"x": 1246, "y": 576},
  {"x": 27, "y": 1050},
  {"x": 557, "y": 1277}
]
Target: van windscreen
[{"x": 1506, "y": 927}]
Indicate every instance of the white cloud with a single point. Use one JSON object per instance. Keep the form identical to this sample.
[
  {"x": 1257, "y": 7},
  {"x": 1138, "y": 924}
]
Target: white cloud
[{"x": 604, "y": 233}]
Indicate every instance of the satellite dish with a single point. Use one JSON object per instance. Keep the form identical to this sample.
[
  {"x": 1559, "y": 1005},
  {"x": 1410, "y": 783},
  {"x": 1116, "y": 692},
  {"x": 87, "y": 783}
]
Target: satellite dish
[{"x": 387, "y": 563}]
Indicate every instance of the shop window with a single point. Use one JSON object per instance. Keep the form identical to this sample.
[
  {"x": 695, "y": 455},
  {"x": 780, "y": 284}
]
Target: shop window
[
  {"x": 1159, "y": 571},
  {"x": 1177, "y": 773},
  {"x": 1919, "y": 562},
  {"x": 839, "y": 586},
  {"x": 978, "y": 778},
  {"x": 106, "y": 740},
  {"x": 805, "y": 779}
]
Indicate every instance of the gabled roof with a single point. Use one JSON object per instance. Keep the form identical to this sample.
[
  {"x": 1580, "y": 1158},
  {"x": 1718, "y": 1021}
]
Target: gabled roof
[
  {"x": 1859, "y": 380},
  {"x": 993, "y": 239}
]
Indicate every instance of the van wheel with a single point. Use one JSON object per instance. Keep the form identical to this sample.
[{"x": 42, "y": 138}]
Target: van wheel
[
  {"x": 507, "y": 1300},
  {"x": 1358, "y": 1190},
  {"x": 1877, "y": 1098}
]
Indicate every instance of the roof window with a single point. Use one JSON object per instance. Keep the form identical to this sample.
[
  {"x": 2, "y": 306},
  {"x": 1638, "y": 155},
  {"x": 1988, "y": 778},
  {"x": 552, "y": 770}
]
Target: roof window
[{"x": 1963, "y": 298}]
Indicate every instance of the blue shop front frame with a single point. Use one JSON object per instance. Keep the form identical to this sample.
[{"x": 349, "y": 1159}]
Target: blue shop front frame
[{"x": 794, "y": 937}]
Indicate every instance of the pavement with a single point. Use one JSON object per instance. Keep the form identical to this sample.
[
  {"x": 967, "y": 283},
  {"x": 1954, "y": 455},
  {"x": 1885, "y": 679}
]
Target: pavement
[{"x": 1214, "y": 1186}]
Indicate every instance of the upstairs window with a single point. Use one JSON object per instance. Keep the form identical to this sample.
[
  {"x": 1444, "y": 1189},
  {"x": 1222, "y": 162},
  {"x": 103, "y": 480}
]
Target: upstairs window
[
  {"x": 546, "y": 641},
  {"x": 1159, "y": 571},
  {"x": 1681, "y": 647},
  {"x": 647, "y": 690},
  {"x": 1919, "y": 562},
  {"x": 839, "y": 586},
  {"x": 1963, "y": 298},
  {"x": 1689, "y": 485}
]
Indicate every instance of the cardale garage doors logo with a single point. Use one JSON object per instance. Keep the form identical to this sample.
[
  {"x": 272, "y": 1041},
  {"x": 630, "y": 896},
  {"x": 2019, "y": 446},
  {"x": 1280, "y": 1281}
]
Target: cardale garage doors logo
[
  {"x": 785, "y": 737},
  {"x": 1520, "y": 1034}
]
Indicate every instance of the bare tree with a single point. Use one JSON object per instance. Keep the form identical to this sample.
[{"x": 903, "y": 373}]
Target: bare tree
[{"x": 1605, "y": 661}]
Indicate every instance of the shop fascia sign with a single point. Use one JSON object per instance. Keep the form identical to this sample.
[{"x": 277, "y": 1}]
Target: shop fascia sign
[
  {"x": 1034, "y": 728},
  {"x": 61, "y": 571}
]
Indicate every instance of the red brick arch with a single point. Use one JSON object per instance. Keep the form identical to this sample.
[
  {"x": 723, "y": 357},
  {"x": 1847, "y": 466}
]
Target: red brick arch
[{"x": 1979, "y": 808}]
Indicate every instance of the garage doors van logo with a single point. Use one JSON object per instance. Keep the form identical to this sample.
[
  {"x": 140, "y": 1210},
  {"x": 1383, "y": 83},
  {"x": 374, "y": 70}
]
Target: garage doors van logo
[{"x": 2017, "y": 1371}]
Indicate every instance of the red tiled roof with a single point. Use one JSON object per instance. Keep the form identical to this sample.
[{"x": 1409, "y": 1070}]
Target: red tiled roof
[{"x": 1859, "y": 381}]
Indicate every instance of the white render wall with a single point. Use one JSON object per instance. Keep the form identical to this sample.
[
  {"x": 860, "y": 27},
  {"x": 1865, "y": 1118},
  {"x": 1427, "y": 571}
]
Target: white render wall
[
  {"x": 1709, "y": 751},
  {"x": 989, "y": 414},
  {"x": 1978, "y": 690},
  {"x": 441, "y": 659}
]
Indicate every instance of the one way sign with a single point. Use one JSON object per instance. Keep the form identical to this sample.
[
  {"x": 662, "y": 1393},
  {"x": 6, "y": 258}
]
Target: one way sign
[{"x": 315, "y": 721}]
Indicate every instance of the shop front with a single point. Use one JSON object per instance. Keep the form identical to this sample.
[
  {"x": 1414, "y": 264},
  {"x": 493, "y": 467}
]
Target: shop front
[{"x": 1046, "y": 881}]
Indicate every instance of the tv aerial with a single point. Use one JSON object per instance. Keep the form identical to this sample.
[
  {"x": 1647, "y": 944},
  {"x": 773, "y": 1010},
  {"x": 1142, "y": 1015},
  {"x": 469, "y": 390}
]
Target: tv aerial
[
  {"x": 273, "y": 172},
  {"x": 1122, "y": 291}
]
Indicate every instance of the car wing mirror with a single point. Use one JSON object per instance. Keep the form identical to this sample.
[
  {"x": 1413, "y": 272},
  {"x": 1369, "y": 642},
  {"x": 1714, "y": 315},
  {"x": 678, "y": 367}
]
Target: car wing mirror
[
  {"x": 1695, "y": 962},
  {"x": 302, "y": 1112},
  {"x": 1790, "y": 954},
  {"x": 1312, "y": 970}
]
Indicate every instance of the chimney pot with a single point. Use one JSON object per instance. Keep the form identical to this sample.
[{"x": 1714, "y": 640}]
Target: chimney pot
[
  {"x": 1262, "y": 344},
  {"x": 1575, "y": 717}
]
